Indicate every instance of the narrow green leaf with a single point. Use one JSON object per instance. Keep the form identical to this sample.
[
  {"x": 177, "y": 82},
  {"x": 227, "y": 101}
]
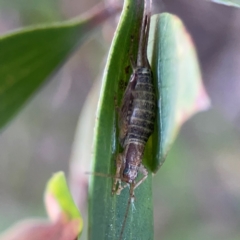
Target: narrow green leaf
[
  {"x": 29, "y": 56},
  {"x": 232, "y": 3},
  {"x": 180, "y": 94},
  {"x": 176, "y": 72},
  {"x": 106, "y": 212},
  {"x": 58, "y": 200}
]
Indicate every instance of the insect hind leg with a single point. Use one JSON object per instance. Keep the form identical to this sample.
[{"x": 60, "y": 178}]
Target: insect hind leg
[{"x": 117, "y": 185}]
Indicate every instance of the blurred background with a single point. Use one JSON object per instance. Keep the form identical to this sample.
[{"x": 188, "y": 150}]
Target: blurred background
[{"x": 197, "y": 190}]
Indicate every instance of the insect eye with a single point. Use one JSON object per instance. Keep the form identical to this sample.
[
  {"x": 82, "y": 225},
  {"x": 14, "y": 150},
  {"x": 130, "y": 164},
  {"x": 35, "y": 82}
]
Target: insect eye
[{"x": 126, "y": 171}]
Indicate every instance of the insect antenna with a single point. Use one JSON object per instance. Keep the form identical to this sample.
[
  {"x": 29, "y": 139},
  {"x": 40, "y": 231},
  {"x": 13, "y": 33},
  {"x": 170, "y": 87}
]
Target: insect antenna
[
  {"x": 130, "y": 200},
  {"x": 101, "y": 175}
]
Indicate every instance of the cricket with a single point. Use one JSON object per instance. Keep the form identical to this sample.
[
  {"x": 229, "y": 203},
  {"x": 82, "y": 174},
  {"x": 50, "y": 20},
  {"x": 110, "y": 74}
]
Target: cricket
[{"x": 136, "y": 118}]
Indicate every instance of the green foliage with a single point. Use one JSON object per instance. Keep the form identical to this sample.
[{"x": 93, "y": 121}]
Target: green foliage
[
  {"x": 29, "y": 56},
  {"x": 65, "y": 219},
  {"x": 177, "y": 76},
  {"x": 57, "y": 195},
  {"x": 232, "y": 3},
  {"x": 106, "y": 212},
  {"x": 179, "y": 89}
]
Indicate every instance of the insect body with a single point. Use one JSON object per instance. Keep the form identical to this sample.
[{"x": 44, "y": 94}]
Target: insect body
[{"x": 137, "y": 116}]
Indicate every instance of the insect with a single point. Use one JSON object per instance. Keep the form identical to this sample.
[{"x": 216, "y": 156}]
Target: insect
[{"x": 136, "y": 118}]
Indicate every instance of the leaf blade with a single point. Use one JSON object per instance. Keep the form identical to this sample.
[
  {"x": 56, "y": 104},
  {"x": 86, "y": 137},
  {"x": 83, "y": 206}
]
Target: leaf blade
[
  {"x": 231, "y": 3},
  {"x": 106, "y": 212},
  {"x": 180, "y": 91},
  {"x": 59, "y": 201},
  {"x": 29, "y": 56}
]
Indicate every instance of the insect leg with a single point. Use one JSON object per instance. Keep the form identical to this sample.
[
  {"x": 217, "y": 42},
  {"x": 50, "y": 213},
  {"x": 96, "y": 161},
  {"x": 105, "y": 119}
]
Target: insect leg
[
  {"x": 144, "y": 171},
  {"x": 117, "y": 181}
]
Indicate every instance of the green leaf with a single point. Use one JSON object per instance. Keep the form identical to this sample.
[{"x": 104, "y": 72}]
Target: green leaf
[
  {"x": 59, "y": 201},
  {"x": 66, "y": 221},
  {"x": 29, "y": 56},
  {"x": 177, "y": 76},
  {"x": 180, "y": 95},
  {"x": 106, "y": 212},
  {"x": 232, "y": 3}
]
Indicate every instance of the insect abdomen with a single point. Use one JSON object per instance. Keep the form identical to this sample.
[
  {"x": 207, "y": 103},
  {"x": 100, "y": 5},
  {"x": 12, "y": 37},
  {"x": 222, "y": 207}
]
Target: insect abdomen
[{"x": 141, "y": 122}]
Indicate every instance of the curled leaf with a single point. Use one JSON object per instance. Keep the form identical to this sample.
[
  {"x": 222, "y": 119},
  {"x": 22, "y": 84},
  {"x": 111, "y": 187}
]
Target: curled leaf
[
  {"x": 66, "y": 222},
  {"x": 180, "y": 91},
  {"x": 107, "y": 212},
  {"x": 59, "y": 201}
]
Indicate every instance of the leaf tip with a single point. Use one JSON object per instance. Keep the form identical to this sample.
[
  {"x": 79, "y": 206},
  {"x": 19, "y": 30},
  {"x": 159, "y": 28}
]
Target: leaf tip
[{"x": 59, "y": 202}]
